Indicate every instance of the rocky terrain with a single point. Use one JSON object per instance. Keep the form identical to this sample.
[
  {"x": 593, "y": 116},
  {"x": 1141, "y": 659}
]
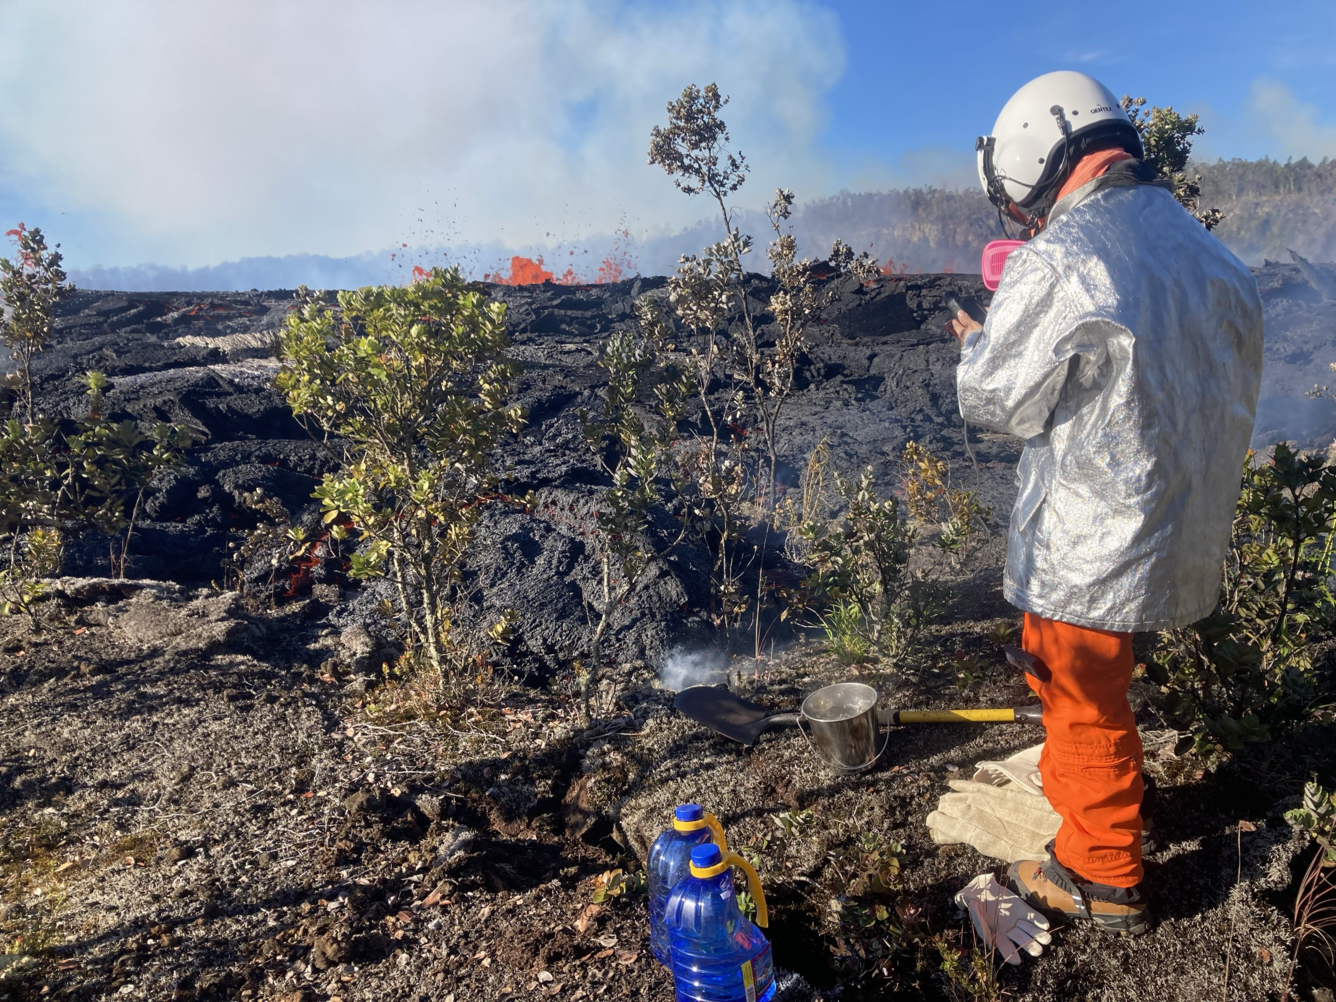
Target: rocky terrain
[{"x": 209, "y": 794}]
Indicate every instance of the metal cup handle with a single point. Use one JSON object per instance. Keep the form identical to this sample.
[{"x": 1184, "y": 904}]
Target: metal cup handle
[{"x": 848, "y": 769}]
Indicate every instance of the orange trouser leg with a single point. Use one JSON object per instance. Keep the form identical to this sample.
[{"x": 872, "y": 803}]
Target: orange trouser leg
[{"x": 1091, "y": 763}]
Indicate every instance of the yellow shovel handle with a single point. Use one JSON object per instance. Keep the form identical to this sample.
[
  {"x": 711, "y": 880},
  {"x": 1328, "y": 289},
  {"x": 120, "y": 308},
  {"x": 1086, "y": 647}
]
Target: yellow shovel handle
[{"x": 954, "y": 716}]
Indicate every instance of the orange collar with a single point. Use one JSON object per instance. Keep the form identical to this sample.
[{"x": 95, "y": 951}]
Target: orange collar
[{"x": 1091, "y": 167}]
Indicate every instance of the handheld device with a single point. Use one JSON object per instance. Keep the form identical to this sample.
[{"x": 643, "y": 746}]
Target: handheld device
[{"x": 969, "y": 305}]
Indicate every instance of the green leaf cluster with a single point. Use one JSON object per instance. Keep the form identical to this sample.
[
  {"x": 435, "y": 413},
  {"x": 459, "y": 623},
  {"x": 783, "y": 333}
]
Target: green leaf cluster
[
  {"x": 859, "y": 570},
  {"x": 414, "y": 381},
  {"x": 631, "y": 436},
  {"x": 1317, "y": 816},
  {"x": 1166, "y": 140},
  {"x": 1246, "y": 672},
  {"x": 613, "y": 884},
  {"x": 872, "y": 910},
  {"x": 64, "y": 478},
  {"x": 31, "y": 284}
]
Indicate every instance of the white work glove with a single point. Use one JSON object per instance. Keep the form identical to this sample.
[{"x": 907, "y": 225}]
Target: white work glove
[
  {"x": 1003, "y": 920},
  {"x": 1004, "y": 822}
]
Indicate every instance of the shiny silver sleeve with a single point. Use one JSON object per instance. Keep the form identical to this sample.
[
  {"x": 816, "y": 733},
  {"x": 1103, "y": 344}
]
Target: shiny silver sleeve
[{"x": 1011, "y": 372}]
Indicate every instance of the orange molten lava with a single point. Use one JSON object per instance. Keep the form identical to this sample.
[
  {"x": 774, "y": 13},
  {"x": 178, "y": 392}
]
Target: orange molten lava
[
  {"x": 523, "y": 271},
  {"x": 619, "y": 262}
]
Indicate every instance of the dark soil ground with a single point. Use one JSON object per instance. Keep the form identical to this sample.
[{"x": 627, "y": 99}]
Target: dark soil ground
[{"x": 207, "y": 795}]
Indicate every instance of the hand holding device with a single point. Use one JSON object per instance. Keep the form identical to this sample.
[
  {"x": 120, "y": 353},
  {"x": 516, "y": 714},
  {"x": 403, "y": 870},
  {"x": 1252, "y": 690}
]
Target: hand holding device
[{"x": 966, "y": 314}]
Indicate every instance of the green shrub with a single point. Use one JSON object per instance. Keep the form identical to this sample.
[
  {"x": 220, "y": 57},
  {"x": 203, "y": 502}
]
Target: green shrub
[
  {"x": 62, "y": 479},
  {"x": 959, "y": 517},
  {"x": 731, "y": 462},
  {"x": 1317, "y": 816},
  {"x": 31, "y": 285},
  {"x": 632, "y": 440},
  {"x": 414, "y": 381},
  {"x": 112, "y": 464},
  {"x": 859, "y": 571},
  {"x": 847, "y": 633},
  {"x": 1166, "y": 138},
  {"x": 1246, "y": 672}
]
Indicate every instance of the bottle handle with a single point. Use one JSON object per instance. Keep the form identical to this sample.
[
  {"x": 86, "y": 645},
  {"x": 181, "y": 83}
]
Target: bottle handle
[
  {"x": 720, "y": 839},
  {"x": 753, "y": 886}
]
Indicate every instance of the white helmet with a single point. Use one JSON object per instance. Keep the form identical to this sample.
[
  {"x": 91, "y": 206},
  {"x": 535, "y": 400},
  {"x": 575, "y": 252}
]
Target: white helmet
[{"x": 1043, "y": 131}]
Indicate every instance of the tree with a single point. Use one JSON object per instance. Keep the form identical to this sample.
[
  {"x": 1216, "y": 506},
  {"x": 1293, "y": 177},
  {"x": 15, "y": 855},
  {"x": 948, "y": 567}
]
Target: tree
[
  {"x": 414, "y": 381},
  {"x": 31, "y": 286},
  {"x": 706, "y": 293},
  {"x": 1166, "y": 139}
]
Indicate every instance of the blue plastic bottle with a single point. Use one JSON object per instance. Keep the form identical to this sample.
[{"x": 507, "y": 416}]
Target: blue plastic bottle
[
  {"x": 669, "y": 860},
  {"x": 718, "y": 955}
]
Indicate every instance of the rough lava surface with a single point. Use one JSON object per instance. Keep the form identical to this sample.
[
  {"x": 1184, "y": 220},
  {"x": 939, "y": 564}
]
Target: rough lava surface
[{"x": 210, "y": 796}]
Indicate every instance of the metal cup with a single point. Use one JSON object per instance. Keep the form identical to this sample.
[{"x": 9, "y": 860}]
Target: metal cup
[{"x": 841, "y": 726}]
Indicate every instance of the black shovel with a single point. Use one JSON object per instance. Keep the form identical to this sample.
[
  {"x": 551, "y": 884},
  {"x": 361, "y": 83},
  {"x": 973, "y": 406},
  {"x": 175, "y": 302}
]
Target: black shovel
[{"x": 744, "y": 721}]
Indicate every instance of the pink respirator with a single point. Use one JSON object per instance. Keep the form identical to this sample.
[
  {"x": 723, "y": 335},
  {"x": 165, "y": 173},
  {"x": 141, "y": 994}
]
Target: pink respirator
[{"x": 994, "y": 257}]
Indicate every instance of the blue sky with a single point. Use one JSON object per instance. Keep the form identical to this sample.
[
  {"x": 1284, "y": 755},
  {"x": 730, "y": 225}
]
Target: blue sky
[
  {"x": 941, "y": 71},
  {"x": 188, "y": 134}
]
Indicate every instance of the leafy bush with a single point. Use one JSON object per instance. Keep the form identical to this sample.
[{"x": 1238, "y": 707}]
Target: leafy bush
[
  {"x": 958, "y": 515},
  {"x": 613, "y": 884},
  {"x": 1317, "y": 816},
  {"x": 734, "y": 484},
  {"x": 113, "y": 464},
  {"x": 31, "y": 285},
  {"x": 1246, "y": 671},
  {"x": 1315, "y": 900},
  {"x": 62, "y": 479},
  {"x": 414, "y": 382},
  {"x": 632, "y": 443},
  {"x": 34, "y": 555},
  {"x": 272, "y": 543},
  {"x": 1166, "y": 138},
  {"x": 859, "y": 569},
  {"x": 847, "y": 633}
]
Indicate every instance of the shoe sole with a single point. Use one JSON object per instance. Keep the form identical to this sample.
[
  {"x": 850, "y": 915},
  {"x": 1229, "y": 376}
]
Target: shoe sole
[{"x": 1120, "y": 926}]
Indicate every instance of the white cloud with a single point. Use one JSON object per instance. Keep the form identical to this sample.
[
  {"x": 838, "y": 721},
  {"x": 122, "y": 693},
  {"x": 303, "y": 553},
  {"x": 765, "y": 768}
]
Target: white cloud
[
  {"x": 206, "y": 132},
  {"x": 1290, "y": 128}
]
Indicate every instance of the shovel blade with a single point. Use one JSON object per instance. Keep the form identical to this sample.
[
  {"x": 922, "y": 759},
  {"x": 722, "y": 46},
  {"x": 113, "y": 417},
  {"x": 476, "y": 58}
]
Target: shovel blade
[{"x": 728, "y": 714}]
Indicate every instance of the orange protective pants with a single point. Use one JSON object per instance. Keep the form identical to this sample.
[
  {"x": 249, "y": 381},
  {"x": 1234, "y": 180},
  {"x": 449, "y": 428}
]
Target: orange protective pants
[{"x": 1091, "y": 763}]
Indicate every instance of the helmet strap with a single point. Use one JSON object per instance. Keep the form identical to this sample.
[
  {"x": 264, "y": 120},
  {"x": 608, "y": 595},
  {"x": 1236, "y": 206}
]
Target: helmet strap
[
  {"x": 1034, "y": 225},
  {"x": 1034, "y": 219}
]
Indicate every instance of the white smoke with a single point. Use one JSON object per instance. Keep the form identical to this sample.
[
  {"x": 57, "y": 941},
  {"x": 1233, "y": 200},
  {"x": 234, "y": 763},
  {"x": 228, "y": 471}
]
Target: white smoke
[
  {"x": 190, "y": 133},
  {"x": 682, "y": 669}
]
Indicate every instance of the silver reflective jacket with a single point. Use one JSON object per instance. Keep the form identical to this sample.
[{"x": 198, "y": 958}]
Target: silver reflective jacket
[{"x": 1124, "y": 344}]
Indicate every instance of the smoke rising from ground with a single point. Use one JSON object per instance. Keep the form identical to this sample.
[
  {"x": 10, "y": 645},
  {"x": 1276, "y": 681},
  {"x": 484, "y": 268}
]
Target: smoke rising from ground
[{"x": 682, "y": 669}]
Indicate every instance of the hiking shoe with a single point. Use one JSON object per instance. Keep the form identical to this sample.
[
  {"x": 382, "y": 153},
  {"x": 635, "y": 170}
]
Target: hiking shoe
[{"x": 1050, "y": 887}]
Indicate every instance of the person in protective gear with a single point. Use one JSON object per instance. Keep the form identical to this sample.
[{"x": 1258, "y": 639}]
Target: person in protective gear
[{"x": 1124, "y": 345}]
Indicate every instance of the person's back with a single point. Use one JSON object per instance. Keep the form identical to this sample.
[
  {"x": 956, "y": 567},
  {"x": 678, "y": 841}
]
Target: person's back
[{"x": 1145, "y": 354}]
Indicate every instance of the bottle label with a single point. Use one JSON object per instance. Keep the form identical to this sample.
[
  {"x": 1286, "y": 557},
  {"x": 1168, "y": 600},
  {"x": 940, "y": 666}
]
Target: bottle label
[{"x": 749, "y": 981}]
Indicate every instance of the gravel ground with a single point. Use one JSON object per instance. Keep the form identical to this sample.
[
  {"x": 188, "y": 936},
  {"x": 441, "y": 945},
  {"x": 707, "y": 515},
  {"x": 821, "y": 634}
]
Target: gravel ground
[
  {"x": 205, "y": 802},
  {"x": 206, "y": 797}
]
